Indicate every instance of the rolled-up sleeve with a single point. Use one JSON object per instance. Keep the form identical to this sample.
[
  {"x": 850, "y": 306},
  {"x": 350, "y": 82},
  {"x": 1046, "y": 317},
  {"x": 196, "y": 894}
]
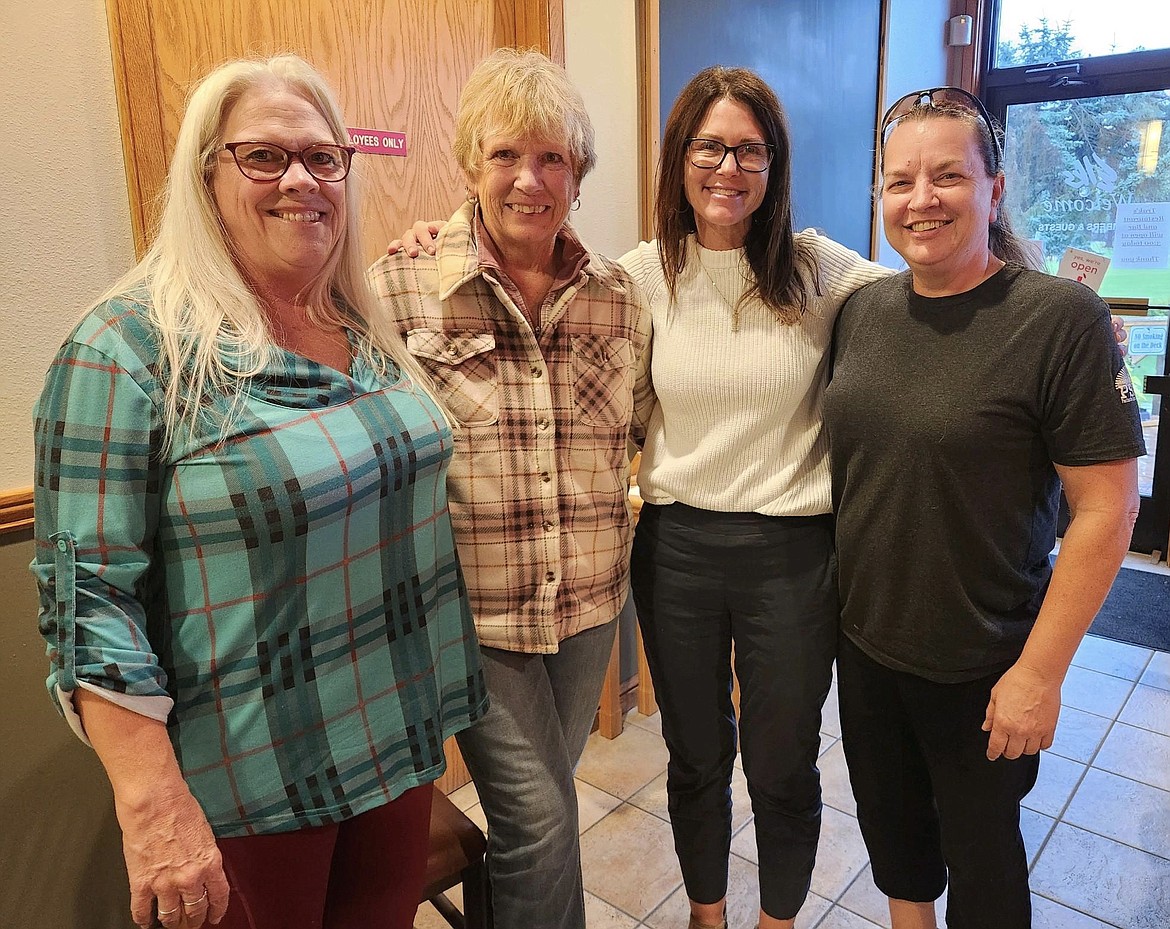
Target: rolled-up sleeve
[{"x": 96, "y": 490}]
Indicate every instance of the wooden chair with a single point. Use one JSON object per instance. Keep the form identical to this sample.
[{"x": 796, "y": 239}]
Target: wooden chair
[
  {"x": 456, "y": 855},
  {"x": 610, "y": 717}
]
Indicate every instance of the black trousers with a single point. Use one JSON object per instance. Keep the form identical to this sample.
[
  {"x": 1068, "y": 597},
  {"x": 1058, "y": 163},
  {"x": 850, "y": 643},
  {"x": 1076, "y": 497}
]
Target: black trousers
[
  {"x": 928, "y": 801},
  {"x": 701, "y": 580}
]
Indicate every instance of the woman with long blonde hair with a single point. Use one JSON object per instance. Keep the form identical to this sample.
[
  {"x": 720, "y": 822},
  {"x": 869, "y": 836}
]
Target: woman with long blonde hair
[{"x": 249, "y": 586}]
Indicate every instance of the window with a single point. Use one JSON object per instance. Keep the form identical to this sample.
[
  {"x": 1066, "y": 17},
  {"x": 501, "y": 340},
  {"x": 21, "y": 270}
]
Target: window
[
  {"x": 1036, "y": 32},
  {"x": 1083, "y": 92}
]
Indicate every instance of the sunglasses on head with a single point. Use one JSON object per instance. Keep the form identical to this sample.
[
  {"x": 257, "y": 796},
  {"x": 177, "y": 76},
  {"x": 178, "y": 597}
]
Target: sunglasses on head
[{"x": 941, "y": 98}]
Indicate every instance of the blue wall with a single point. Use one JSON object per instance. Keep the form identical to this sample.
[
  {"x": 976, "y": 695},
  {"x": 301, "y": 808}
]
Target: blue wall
[
  {"x": 915, "y": 58},
  {"x": 821, "y": 57}
]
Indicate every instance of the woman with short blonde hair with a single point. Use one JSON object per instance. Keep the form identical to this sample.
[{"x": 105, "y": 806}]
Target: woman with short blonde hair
[{"x": 532, "y": 340}]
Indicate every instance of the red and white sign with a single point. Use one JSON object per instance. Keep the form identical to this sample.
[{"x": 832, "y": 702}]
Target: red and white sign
[
  {"x": 378, "y": 141},
  {"x": 1087, "y": 267}
]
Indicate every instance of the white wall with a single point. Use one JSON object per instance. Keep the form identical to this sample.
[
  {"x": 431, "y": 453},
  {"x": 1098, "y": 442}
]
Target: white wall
[
  {"x": 67, "y": 232},
  {"x": 601, "y": 58}
]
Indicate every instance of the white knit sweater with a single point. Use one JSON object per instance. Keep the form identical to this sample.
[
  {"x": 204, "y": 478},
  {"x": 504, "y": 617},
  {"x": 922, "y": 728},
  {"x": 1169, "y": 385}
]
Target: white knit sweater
[{"x": 737, "y": 425}]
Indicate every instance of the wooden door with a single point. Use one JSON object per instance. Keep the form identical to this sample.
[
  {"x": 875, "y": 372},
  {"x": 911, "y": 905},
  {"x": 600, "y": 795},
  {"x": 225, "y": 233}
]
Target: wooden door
[{"x": 395, "y": 64}]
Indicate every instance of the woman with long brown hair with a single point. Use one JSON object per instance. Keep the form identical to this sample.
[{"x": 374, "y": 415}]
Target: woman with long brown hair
[{"x": 735, "y": 538}]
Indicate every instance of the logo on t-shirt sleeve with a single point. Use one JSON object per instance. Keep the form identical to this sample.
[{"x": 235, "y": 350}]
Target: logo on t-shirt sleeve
[{"x": 1124, "y": 386}]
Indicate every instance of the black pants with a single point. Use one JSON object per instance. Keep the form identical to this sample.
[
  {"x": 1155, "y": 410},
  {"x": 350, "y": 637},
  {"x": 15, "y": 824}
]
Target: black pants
[
  {"x": 700, "y": 580},
  {"x": 928, "y": 801}
]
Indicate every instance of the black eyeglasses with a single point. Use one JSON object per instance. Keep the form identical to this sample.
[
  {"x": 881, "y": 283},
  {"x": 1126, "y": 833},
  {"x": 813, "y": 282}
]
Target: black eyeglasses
[
  {"x": 267, "y": 161},
  {"x": 752, "y": 157},
  {"x": 942, "y": 98}
]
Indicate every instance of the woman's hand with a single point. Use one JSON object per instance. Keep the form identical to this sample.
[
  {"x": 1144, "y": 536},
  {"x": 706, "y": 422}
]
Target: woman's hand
[
  {"x": 1022, "y": 713},
  {"x": 172, "y": 858},
  {"x": 418, "y": 238},
  {"x": 171, "y": 855},
  {"x": 1120, "y": 333}
]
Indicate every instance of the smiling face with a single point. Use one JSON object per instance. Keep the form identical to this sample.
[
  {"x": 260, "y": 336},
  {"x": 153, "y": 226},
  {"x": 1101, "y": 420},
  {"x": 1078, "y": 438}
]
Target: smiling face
[
  {"x": 725, "y": 198},
  {"x": 938, "y": 203},
  {"x": 525, "y": 187},
  {"x": 282, "y": 232}
]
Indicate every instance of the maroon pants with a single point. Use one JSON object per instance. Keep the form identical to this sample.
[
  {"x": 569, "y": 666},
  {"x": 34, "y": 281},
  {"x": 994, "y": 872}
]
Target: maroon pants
[{"x": 363, "y": 873}]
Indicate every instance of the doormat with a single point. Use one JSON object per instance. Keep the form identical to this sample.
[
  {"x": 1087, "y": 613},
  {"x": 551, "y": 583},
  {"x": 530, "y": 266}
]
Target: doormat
[{"x": 1137, "y": 610}]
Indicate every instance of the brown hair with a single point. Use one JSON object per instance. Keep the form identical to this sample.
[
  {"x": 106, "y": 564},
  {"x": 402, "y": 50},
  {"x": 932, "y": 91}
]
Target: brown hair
[
  {"x": 1002, "y": 240},
  {"x": 771, "y": 249}
]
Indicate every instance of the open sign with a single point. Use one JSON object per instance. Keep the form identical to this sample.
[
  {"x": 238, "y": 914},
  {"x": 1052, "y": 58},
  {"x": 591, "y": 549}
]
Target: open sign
[{"x": 1079, "y": 265}]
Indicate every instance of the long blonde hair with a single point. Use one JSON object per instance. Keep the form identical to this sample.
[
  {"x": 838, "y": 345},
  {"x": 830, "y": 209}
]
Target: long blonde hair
[{"x": 213, "y": 332}]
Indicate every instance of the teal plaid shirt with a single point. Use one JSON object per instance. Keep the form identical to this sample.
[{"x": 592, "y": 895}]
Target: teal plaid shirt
[{"x": 285, "y": 593}]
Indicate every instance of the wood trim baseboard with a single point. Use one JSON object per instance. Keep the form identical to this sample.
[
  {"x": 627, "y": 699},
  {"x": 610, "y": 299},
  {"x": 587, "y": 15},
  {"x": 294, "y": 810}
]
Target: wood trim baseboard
[
  {"x": 16, "y": 509},
  {"x": 456, "y": 774}
]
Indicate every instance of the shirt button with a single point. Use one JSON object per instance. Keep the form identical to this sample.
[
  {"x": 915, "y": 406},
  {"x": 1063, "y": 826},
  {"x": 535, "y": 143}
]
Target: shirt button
[
  {"x": 542, "y": 424},
  {"x": 550, "y": 577},
  {"x": 548, "y": 526},
  {"x": 62, "y": 545},
  {"x": 537, "y": 373},
  {"x": 546, "y": 477},
  {"x": 452, "y": 351}
]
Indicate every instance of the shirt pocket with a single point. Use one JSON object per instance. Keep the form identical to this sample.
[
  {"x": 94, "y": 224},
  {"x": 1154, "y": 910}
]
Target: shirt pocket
[
  {"x": 603, "y": 379},
  {"x": 462, "y": 365}
]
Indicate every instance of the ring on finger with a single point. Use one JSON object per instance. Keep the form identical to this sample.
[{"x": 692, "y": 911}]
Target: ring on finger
[
  {"x": 162, "y": 913},
  {"x": 196, "y": 902}
]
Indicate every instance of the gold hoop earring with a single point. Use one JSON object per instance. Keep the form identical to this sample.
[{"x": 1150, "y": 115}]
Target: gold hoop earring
[{"x": 576, "y": 205}]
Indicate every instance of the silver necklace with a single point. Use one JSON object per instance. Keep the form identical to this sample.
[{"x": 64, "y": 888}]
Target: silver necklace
[{"x": 733, "y": 306}]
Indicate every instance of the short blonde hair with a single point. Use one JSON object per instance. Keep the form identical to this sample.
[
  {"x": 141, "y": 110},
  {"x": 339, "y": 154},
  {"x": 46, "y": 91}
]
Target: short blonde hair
[{"x": 522, "y": 93}]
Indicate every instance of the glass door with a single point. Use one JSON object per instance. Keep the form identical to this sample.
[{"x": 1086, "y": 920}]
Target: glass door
[
  {"x": 1087, "y": 157},
  {"x": 1085, "y": 174}
]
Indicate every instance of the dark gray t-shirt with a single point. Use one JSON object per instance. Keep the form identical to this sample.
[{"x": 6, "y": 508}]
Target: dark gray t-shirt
[{"x": 945, "y": 417}]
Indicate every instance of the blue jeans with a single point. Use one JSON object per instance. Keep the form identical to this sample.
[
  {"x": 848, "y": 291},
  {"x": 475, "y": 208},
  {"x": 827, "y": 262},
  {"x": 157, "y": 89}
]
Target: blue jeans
[{"x": 522, "y": 755}]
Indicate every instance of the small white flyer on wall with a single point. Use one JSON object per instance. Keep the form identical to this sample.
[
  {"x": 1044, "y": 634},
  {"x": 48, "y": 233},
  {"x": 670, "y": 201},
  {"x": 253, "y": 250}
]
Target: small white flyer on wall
[
  {"x": 1087, "y": 267},
  {"x": 1141, "y": 238}
]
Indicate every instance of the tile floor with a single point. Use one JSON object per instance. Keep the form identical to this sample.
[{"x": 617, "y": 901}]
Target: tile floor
[{"x": 1097, "y": 825}]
